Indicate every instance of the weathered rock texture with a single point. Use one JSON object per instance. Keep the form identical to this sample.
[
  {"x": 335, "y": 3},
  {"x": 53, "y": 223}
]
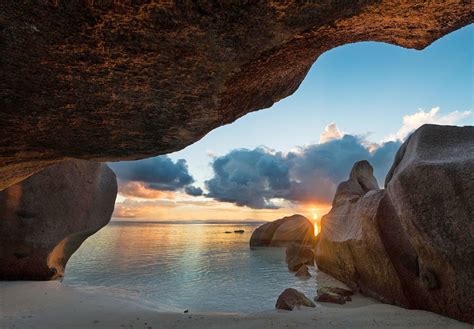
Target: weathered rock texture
[
  {"x": 45, "y": 218},
  {"x": 105, "y": 80},
  {"x": 284, "y": 232},
  {"x": 412, "y": 243}
]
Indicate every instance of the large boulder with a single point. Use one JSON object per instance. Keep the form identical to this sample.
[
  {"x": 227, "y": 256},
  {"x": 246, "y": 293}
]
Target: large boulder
[
  {"x": 45, "y": 218},
  {"x": 284, "y": 232},
  {"x": 412, "y": 243},
  {"x": 111, "y": 80},
  {"x": 430, "y": 191},
  {"x": 350, "y": 247}
]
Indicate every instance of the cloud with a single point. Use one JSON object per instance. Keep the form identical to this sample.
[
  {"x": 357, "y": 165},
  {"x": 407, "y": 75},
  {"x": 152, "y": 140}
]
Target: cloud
[
  {"x": 193, "y": 190},
  {"x": 416, "y": 120},
  {"x": 331, "y": 132},
  {"x": 146, "y": 178},
  {"x": 257, "y": 178}
]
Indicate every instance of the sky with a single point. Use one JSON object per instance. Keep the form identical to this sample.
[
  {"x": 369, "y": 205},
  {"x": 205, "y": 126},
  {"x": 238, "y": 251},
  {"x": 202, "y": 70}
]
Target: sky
[{"x": 358, "y": 101}]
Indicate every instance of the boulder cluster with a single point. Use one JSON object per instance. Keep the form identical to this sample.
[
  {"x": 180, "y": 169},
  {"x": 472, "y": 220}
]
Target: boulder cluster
[{"x": 412, "y": 243}]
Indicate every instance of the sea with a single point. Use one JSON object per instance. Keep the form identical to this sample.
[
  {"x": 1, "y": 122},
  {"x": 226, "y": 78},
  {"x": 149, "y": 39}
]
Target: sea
[{"x": 178, "y": 266}]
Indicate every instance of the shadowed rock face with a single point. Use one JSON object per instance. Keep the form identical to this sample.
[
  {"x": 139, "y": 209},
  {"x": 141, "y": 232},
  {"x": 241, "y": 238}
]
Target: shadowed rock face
[
  {"x": 45, "y": 218},
  {"x": 103, "y": 81},
  {"x": 412, "y": 243}
]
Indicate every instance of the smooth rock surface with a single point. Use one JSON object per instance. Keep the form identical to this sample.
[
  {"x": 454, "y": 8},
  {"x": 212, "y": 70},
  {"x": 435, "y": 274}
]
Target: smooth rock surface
[
  {"x": 412, "y": 244},
  {"x": 283, "y": 232},
  {"x": 350, "y": 247},
  {"x": 45, "y": 218},
  {"x": 114, "y": 81},
  {"x": 291, "y": 298},
  {"x": 430, "y": 189}
]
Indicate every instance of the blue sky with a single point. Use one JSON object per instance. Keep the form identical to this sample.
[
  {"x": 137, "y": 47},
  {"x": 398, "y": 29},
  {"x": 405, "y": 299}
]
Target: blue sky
[
  {"x": 358, "y": 101},
  {"x": 363, "y": 87}
]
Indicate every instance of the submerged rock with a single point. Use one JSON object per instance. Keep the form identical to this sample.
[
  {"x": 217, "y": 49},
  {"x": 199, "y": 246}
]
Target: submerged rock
[
  {"x": 411, "y": 244},
  {"x": 303, "y": 272},
  {"x": 45, "y": 218},
  {"x": 291, "y": 298},
  {"x": 283, "y": 232},
  {"x": 298, "y": 255}
]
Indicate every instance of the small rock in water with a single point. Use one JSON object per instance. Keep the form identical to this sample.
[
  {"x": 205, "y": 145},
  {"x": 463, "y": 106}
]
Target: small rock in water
[
  {"x": 239, "y": 231},
  {"x": 303, "y": 272},
  {"x": 290, "y": 298},
  {"x": 186, "y": 311},
  {"x": 227, "y": 232}
]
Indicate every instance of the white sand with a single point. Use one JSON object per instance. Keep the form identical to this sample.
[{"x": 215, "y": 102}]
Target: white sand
[{"x": 52, "y": 305}]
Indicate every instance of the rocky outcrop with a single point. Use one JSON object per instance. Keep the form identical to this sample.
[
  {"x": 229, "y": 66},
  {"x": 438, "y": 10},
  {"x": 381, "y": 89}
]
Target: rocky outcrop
[
  {"x": 114, "y": 81},
  {"x": 298, "y": 255},
  {"x": 45, "y": 218},
  {"x": 412, "y": 243},
  {"x": 284, "y": 232},
  {"x": 291, "y": 298},
  {"x": 350, "y": 247}
]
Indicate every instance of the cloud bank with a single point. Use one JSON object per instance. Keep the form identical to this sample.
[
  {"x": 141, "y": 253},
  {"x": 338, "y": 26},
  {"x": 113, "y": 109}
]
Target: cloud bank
[
  {"x": 147, "y": 178},
  {"x": 261, "y": 178}
]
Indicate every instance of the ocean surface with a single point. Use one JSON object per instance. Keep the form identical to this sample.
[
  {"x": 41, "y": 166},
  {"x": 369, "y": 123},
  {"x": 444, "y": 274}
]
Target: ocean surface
[{"x": 177, "y": 266}]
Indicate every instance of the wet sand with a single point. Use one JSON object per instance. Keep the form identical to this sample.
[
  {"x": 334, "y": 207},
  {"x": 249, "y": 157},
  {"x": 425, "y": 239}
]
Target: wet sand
[{"x": 53, "y": 305}]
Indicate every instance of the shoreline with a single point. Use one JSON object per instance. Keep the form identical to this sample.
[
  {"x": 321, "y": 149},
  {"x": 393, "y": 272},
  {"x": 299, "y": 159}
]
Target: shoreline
[{"x": 50, "y": 304}]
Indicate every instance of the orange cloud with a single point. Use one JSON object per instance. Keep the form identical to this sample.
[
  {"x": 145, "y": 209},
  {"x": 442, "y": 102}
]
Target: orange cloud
[
  {"x": 139, "y": 190},
  {"x": 202, "y": 208}
]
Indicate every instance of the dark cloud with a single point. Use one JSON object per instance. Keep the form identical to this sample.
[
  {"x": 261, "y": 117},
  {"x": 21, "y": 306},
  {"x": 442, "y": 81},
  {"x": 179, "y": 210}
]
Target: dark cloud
[
  {"x": 254, "y": 177},
  {"x": 193, "y": 190},
  {"x": 159, "y": 173}
]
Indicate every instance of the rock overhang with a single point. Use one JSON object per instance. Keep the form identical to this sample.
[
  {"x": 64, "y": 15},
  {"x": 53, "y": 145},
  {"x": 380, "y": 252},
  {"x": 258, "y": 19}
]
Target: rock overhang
[{"x": 106, "y": 81}]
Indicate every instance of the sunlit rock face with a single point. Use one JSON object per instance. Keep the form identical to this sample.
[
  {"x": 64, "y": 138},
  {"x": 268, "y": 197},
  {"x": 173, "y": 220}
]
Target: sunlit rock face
[
  {"x": 350, "y": 247},
  {"x": 283, "y": 232},
  {"x": 45, "y": 218},
  {"x": 108, "y": 81},
  {"x": 412, "y": 243}
]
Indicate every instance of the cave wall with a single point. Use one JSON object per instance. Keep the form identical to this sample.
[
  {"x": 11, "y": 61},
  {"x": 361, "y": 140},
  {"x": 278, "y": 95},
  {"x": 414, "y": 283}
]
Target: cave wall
[{"x": 105, "y": 81}]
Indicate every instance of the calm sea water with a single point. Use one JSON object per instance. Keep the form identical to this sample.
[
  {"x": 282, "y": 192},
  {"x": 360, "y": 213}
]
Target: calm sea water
[{"x": 184, "y": 266}]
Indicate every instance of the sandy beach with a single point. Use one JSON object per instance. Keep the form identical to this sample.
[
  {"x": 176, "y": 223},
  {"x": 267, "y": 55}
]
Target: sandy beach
[{"x": 53, "y": 305}]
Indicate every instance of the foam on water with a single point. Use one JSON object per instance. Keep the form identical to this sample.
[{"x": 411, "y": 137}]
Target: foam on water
[{"x": 184, "y": 266}]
